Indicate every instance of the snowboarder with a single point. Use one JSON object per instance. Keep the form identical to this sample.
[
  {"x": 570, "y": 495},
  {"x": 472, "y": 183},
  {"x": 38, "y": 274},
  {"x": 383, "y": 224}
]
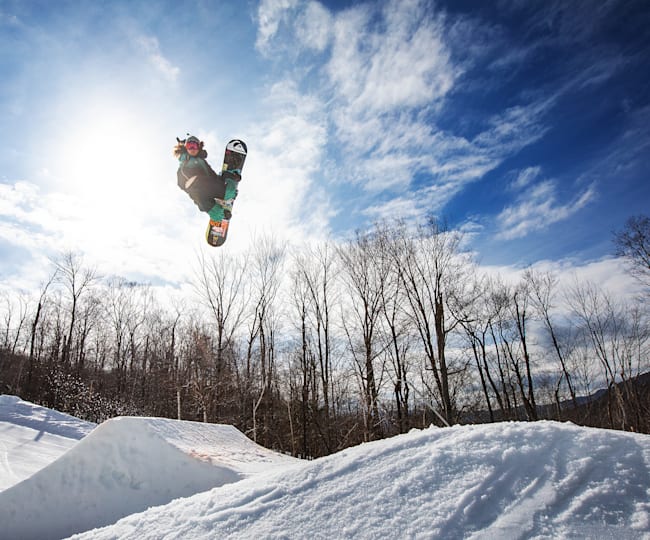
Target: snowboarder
[{"x": 213, "y": 193}]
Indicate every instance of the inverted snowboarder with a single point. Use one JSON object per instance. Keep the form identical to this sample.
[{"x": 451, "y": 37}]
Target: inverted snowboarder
[{"x": 211, "y": 192}]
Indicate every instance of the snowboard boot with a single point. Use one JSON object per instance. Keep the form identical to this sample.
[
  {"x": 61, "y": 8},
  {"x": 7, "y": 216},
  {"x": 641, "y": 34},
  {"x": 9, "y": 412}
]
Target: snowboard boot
[{"x": 227, "y": 207}]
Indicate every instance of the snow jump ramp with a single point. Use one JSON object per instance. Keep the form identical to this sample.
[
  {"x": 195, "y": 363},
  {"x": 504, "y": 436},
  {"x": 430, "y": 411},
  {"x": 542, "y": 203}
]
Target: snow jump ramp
[{"x": 124, "y": 466}]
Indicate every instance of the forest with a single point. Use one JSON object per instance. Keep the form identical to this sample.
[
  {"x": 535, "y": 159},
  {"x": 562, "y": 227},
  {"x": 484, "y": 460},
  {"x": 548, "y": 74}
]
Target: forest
[{"x": 313, "y": 349}]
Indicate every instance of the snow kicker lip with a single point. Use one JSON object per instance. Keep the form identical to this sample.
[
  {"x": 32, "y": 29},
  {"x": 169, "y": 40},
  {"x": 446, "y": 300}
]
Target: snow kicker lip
[{"x": 127, "y": 465}]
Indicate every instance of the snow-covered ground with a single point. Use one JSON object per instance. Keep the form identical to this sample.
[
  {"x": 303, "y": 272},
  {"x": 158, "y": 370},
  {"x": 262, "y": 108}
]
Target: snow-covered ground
[
  {"x": 32, "y": 437},
  {"x": 508, "y": 480},
  {"x": 124, "y": 465}
]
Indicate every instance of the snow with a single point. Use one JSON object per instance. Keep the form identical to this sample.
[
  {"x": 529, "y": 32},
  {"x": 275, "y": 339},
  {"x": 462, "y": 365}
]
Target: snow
[
  {"x": 32, "y": 437},
  {"x": 506, "y": 480},
  {"x": 126, "y": 465}
]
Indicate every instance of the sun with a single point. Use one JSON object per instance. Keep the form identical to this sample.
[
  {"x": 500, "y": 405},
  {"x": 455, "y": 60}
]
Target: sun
[
  {"x": 106, "y": 149},
  {"x": 110, "y": 177},
  {"x": 104, "y": 157}
]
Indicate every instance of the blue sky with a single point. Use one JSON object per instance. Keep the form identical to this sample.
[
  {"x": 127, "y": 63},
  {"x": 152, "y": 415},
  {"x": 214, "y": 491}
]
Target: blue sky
[{"x": 523, "y": 123}]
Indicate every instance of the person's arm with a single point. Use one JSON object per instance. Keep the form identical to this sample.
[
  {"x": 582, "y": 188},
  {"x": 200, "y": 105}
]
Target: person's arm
[{"x": 179, "y": 150}]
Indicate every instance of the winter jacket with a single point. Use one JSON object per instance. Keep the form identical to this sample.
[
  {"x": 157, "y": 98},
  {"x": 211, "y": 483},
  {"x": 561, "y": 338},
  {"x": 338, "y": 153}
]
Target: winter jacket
[
  {"x": 209, "y": 191},
  {"x": 199, "y": 181}
]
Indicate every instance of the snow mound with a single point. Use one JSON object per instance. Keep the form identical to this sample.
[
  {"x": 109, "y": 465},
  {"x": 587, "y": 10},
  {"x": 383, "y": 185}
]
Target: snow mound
[
  {"x": 509, "y": 480},
  {"x": 127, "y": 465},
  {"x": 32, "y": 436}
]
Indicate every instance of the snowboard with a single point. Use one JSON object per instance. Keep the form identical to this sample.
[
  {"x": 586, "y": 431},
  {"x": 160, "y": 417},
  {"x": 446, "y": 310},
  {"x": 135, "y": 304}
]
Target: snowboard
[{"x": 233, "y": 162}]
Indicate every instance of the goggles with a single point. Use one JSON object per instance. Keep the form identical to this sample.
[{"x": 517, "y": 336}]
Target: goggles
[{"x": 192, "y": 145}]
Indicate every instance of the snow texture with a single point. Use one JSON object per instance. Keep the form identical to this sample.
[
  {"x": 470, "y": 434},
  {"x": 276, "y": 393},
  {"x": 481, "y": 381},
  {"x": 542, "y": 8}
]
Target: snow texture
[
  {"x": 31, "y": 437},
  {"x": 123, "y": 466},
  {"x": 506, "y": 480}
]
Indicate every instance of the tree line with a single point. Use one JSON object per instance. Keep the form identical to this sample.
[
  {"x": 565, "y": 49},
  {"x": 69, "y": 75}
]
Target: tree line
[{"x": 313, "y": 349}]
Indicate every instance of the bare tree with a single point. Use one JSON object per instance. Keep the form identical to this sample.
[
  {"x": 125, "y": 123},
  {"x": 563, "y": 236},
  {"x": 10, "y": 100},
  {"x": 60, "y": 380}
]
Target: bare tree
[
  {"x": 364, "y": 270},
  {"x": 77, "y": 279},
  {"x": 314, "y": 277},
  {"x": 476, "y": 317},
  {"x": 11, "y": 363},
  {"x": 90, "y": 307},
  {"x": 121, "y": 306},
  {"x": 618, "y": 334},
  {"x": 541, "y": 287},
  {"x": 520, "y": 314},
  {"x": 171, "y": 358},
  {"x": 305, "y": 370},
  {"x": 201, "y": 369},
  {"x": 633, "y": 244},
  {"x": 432, "y": 268},
  {"x": 396, "y": 328},
  {"x": 221, "y": 285},
  {"x": 143, "y": 301},
  {"x": 13, "y": 333},
  {"x": 596, "y": 314},
  {"x": 266, "y": 279},
  {"x": 34, "y": 327},
  {"x": 500, "y": 326}
]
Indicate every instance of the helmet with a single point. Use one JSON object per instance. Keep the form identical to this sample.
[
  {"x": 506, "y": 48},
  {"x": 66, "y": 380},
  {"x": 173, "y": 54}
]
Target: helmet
[{"x": 192, "y": 138}]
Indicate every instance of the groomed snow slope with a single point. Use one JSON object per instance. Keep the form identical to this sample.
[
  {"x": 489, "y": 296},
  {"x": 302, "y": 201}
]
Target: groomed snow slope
[
  {"x": 509, "y": 480},
  {"x": 124, "y": 466},
  {"x": 32, "y": 436}
]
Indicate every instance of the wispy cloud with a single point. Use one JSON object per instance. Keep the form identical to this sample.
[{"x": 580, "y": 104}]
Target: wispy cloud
[
  {"x": 537, "y": 207},
  {"x": 609, "y": 273},
  {"x": 279, "y": 193},
  {"x": 375, "y": 109},
  {"x": 526, "y": 177},
  {"x": 151, "y": 48},
  {"x": 452, "y": 162},
  {"x": 270, "y": 14},
  {"x": 404, "y": 62},
  {"x": 413, "y": 204},
  {"x": 371, "y": 69},
  {"x": 314, "y": 27},
  {"x": 16, "y": 197},
  {"x": 388, "y": 71}
]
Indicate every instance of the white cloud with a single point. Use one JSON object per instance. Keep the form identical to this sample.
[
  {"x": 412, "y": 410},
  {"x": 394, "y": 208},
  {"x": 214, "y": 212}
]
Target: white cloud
[
  {"x": 391, "y": 80},
  {"x": 9, "y": 19},
  {"x": 388, "y": 72},
  {"x": 314, "y": 27},
  {"x": 411, "y": 204},
  {"x": 389, "y": 69},
  {"x": 151, "y": 48},
  {"x": 516, "y": 127},
  {"x": 536, "y": 208},
  {"x": 109, "y": 191},
  {"x": 378, "y": 68},
  {"x": 127, "y": 239},
  {"x": 14, "y": 198},
  {"x": 400, "y": 208},
  {"x": 270, "y": 14},
  {"x": 609, "y": 273},
  {"x": 526, "y": 177},
  {"x": 406, "y": 65},
  {"x": 278, "y": 194}
]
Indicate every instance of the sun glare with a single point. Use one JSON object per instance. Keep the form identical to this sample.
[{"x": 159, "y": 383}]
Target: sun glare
[
  {"x": 107, "y": 174},
  {"x": 104, "y": 160}
]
